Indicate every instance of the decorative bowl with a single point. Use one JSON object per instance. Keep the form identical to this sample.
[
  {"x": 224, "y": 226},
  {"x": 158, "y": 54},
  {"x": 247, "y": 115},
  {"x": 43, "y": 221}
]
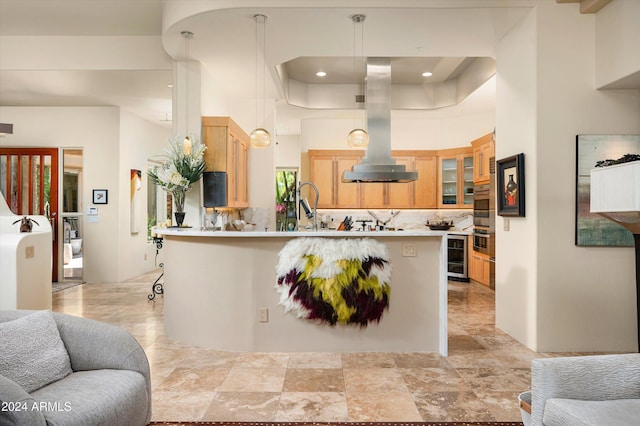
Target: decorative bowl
[{"x": 439, "y": 225}]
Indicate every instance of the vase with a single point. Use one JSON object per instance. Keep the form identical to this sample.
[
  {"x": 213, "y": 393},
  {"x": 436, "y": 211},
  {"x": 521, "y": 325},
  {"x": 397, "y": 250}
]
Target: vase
[
  {"x": 179, "y": 218},
  {"x": 511, "y": 192}
]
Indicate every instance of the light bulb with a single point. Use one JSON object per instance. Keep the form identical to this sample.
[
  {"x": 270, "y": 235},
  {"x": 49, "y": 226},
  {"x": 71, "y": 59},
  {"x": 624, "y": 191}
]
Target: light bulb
[
  {"x": 358, "y": 138},
  {"x": 260, "y": 138}
]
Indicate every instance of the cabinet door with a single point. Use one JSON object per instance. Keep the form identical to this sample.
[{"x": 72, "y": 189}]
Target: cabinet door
[
  {"x": 399, "y": 194},
  {"x": 347, "y": 194},
  {"x": 321, "y": 173},
  {"x": 486, "y": 271},
  {"x": 425, "y": 187},
  {"x": 242, "y": 174},
  {"x": 373, "y": 195},
  {"x": 466, "y": 180},
  {"x": 448, "y": 182}
]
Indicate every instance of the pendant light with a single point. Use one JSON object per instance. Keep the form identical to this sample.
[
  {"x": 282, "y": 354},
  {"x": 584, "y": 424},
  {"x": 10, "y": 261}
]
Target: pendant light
[
  {"x": 260, "y": 137},
  {"x": 358, "y": 137},
  {"x": 186, "y": 143}
]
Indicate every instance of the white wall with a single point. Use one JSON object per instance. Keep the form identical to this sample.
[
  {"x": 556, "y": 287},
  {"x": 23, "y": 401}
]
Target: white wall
[
  {"x": 516, "y": 250},
  {"x": 288, "y": 151},
  {"x": 585, "y": 295},
  {"x": 107, "y": 151},
  {"x": 97, "y": 131},
  {"x": 139, "y": 139},
  {"x": 550, "y": 294},
  {"x": 409, "y": 130},
  {"x": 617, "y": 52}
]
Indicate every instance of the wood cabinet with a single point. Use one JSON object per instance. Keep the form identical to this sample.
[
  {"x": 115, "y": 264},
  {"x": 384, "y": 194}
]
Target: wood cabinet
[
  {"x": 455, "y": 178},
  {"x": 325, "y": 171},
  {"x": 391, "y": 194},
  {"x": 480, "y": 268},
  {"x": 425, "y": 192},
  {"x": 228, "y": 151},
  {"x": 483, "y": 151},
  {"x": 327, "y": 166}
]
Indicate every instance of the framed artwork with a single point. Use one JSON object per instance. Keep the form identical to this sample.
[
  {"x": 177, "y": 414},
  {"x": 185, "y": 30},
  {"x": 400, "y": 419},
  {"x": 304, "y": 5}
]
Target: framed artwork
[
  {"x": 100, "y": 196},
  {"x": 591, "y": 228},
  {"x": 510, "y": 185}
]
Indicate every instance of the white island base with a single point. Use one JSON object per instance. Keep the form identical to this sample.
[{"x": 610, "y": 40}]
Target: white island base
[{"x": 218, "y": 283}]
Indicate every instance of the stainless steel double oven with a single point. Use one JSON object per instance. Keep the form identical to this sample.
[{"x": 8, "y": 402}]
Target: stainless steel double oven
[{"x": 484, "y": 216}]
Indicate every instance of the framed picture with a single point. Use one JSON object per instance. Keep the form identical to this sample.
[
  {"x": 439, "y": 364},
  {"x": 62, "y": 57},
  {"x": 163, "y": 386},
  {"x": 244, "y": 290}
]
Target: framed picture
[
  {"x": 510, "y": 186},
  {"x": 100, "y": 196},
  {"x": 593, "y": 229}
]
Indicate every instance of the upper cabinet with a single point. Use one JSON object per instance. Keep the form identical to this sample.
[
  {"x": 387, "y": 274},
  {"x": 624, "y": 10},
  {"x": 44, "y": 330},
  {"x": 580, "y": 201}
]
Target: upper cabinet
[
  {"x": 425, "y": 193},
  {"x": 327, "y": 166},
  {"x": 228, "y": 151},
  {"x": 455, "y": 178},
  {"x": 325, "y": 171},
  {"x": 483, "y": 151}
]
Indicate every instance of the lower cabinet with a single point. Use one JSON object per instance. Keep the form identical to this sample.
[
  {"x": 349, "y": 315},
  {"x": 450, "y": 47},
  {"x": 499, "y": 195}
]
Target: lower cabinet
[{"x": 481, "y": 268}]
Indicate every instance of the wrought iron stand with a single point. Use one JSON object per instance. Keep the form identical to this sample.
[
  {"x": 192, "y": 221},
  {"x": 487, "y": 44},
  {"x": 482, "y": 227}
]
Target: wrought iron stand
[{"x": 157, "y": 287}]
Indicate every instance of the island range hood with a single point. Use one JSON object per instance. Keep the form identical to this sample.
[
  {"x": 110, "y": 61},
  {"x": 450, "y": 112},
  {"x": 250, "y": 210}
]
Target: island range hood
[{"x": 377, "y": 164}]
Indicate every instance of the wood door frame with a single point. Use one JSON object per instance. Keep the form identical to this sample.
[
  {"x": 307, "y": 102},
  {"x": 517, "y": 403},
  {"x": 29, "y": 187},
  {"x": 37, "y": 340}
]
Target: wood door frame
[{"x": 54, "y": 153}]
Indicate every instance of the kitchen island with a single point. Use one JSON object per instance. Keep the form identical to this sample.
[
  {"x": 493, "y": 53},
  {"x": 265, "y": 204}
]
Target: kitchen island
[{"x": 220, "y": 293}]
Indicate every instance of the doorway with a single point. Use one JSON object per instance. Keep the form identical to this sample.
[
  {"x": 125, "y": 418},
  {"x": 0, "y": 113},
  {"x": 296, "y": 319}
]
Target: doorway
[
  {"x": 286, "y": 199},
  {"x": 29, "y": 183},
  {"x": 72, "y": 223}
]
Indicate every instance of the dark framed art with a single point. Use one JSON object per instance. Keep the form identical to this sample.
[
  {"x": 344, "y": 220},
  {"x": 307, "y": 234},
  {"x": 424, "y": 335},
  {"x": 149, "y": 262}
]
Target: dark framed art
[
  {"x": 100, "y": 196},
  {"x": 593, "y": 229},
  {"x": 510, "y": 185}
]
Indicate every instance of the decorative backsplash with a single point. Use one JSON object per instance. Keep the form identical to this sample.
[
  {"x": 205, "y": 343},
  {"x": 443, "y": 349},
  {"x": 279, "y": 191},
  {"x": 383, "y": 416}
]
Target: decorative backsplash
[{"x": 405, "y": 219}]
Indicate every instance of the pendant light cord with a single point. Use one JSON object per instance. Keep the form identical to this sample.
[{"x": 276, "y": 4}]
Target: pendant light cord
[
  {"x": 256, "y": 17},
  {"x": 187, "y": 35}
]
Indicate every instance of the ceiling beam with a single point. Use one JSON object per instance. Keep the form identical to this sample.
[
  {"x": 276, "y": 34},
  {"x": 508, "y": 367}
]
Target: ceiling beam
[{"x": 588, "y": 6}]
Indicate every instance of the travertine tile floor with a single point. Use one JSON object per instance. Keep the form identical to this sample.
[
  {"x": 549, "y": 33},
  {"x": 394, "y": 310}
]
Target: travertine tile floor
[{"x": 478, "y": 381}]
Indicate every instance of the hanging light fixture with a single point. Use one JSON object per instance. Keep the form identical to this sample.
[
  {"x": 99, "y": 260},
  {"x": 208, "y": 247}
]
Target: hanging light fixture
[
  {"x": 260, "y": 137},
  {"x": 186, "y": 143},
  {"x": 358, "y": 137}
]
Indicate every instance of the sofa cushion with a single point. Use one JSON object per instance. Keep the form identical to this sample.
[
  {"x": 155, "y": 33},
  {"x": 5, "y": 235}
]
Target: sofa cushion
[
  {"x": 615, "y": 412},
  {"x": 33, "y": 354},
  {"x": 96, "y": 397}
]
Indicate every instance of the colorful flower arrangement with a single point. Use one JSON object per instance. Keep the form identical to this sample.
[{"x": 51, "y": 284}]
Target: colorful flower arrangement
[{"x": 184, "y": 165}]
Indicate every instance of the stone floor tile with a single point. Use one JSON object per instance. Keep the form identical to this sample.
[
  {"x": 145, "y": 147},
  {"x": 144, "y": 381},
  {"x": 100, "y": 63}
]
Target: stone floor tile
[{"x": 313, "y": 407}]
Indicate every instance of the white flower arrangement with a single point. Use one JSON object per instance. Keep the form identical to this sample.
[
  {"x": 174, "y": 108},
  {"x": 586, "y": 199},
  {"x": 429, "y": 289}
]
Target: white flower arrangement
[{"x": 184, "y": 165}]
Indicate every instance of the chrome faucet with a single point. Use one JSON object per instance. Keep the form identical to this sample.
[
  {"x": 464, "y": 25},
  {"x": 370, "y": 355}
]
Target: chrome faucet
[{"x": 305, "y": 205}]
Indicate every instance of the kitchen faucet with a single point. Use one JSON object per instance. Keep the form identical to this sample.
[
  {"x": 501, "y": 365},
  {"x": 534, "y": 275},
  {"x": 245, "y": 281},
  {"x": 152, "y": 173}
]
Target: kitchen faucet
[{"x": 305, "y": 205}]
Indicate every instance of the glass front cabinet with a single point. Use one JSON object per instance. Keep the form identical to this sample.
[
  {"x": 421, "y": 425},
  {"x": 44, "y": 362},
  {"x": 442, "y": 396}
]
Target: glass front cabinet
[{"x": 456, "y": 180}]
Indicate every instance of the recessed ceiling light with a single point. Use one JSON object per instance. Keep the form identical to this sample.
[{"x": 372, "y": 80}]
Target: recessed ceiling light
[
  {"x": 321, "y": 74},
  {"x": 169, "y": 85},
  {"x": 427, "y": 74}
]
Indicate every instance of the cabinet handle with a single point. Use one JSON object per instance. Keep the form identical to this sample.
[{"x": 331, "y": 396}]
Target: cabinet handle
[{"x": 334, "y": 195}]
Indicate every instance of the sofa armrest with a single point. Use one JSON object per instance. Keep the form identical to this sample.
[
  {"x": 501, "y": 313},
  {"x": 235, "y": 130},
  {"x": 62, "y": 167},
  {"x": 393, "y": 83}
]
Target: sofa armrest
[
  {"x": 17, "y": 407},
  {"x": 94, "y": 345},
  {"x": 596, "y": 378}
]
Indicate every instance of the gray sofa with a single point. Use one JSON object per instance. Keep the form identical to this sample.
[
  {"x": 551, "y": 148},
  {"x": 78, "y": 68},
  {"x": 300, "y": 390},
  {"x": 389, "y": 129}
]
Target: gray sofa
[
  {"x": 107, "y": 382},
  {"x": 587, "y": 390}
]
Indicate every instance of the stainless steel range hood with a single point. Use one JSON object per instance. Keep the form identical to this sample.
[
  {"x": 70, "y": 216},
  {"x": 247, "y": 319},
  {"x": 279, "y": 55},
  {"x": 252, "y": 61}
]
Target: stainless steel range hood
[{"x": 377, "y": 164}]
